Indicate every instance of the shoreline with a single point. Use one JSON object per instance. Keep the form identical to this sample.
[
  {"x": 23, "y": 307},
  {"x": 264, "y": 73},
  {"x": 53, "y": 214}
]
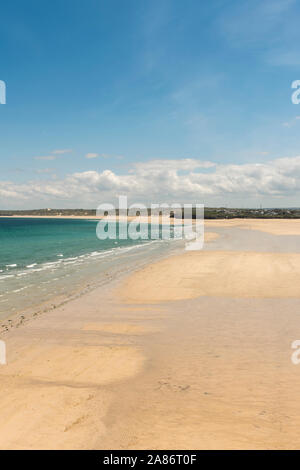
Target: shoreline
[
  {"x": 111, "y": 273},
  {"x": 131, "y": 366},
  {"x": 143, "y": 219},
  {"x": 13, "y": 320},
  {"x": 270, "y": 225},
  {"x": 20, "y": 293}
]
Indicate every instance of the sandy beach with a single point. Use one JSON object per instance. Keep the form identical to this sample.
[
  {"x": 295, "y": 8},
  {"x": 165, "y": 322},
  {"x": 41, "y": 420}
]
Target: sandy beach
[{"x": 190, "y": 352}]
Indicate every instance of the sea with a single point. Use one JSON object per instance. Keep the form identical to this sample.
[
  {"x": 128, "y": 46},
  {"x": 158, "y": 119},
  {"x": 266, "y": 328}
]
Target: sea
[{"x": 44, "y": 260}]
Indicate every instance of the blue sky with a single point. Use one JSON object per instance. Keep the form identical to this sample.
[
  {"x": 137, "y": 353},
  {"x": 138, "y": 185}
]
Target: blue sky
[{"x": 100, "y": 91}]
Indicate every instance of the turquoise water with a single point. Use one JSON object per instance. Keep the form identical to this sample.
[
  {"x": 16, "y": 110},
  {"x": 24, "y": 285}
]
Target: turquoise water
[
  {"x": 43, "y": 258},
  {"x": 27, "y": 242}
]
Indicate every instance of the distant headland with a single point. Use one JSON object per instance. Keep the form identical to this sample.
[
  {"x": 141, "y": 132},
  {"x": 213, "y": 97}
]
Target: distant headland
[{"x": 209, "y": 213}]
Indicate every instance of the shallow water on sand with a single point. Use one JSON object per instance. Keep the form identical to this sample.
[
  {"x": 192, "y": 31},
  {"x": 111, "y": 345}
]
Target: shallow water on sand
[{"x": 45, "y": 258}]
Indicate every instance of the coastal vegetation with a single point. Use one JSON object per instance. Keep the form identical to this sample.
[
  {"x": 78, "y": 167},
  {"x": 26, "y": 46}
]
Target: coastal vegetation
[{"x": 209, "y": 213}]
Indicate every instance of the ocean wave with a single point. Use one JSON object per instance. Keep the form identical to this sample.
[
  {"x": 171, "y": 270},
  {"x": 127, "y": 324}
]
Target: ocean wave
[
  {"x": 19, "y": 290},
  {"x": 63, "y": 266}
]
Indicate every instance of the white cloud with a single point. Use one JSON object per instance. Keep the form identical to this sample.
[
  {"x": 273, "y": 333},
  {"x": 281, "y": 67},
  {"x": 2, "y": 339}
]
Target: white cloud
[
  {"x": 105, "y": 155},
  {"x": 54, "y": 154},
  {"x": 61, "y": 151},
  {"x": 102, "y": 155},
  {"x": 46, "y": 157},
  {"x": 45, "y": 170},
  {"x": 292, "y": 122},
  {"x": 91, "y": 155},
  {"x": 185, "y": 180}
]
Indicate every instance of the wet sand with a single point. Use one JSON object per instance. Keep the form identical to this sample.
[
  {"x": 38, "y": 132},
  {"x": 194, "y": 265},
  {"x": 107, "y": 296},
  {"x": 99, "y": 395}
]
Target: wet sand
[{"x": 191, "y": 352}]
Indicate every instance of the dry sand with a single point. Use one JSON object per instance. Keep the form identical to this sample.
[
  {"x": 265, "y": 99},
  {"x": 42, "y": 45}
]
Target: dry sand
[
  {"x": 191, "y": 352},
  {"x": 273, "y": 226},
  {"x": 56, "y": 388},
  {"x": 216, "y": 274}
]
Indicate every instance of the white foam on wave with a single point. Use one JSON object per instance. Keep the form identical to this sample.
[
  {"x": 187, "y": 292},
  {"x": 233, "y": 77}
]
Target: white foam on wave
[{"x": 19, "y": 290}]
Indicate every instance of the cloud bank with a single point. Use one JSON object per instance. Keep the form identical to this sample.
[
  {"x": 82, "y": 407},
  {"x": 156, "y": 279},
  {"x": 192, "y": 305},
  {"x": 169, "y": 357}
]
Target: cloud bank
[{"x": 274, "y": 183}]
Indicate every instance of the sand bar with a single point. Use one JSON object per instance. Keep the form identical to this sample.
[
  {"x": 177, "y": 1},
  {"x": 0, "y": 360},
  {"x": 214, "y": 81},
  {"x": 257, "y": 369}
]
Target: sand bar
[{"x": 193, "y": 351}]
